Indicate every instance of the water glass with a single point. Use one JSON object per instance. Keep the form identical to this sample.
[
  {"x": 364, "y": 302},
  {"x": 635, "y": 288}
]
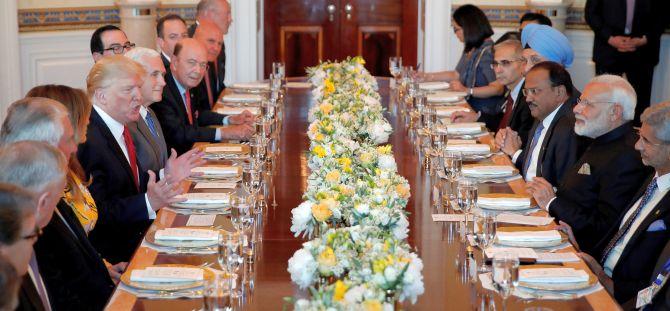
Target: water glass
[
  {"x": 258, "y": 146},
  {"x": 279, "y": 70},
  {"x": 217, "y": 292},
  {"x": 467, "y": 198},
  {"x": 452, "y": 163},
  {"x": 485, "y": 229},
  {"x": 505, "y": 274},
  {"x": 395, "y": 66},
  {"x": 275, "y": 82}
]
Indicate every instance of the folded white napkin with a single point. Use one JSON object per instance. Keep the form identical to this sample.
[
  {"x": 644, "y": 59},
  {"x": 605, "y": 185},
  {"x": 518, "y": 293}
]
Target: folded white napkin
[
  {"x": 449, "y": 110},
  {"x": 204, "y": 198},
  {"x": 553, "y": 275},
  {"x": 186, "y": 234},
  {"x": 298, "y": 85},
  {"x": 167, "y": 274},
  {"x": 237, "y": 110},
  {"x": 504, "y": 201},
  {"x": 217, "y": 170},
  {"x": 252, "y": 85},
  {"x": 488, "y": 170},
  {"x": 229, "y": 148},
  {"x": 529, "y": 236},
  {"x": 445, "y": 97},
  {"x": 242, "y": 98},
  {"x": 431, "y": 86},
  {"x": 469, "y": 148},
  {"x": 465, "y": 128},
  {"x": 461, "y": 142}
]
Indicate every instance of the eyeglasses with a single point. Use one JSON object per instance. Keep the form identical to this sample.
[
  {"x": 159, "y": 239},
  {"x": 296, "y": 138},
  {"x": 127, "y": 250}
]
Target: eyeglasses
[
  {"x": 533, "y": 60},
  {"x": 33, "y": 236},
  {"x": 645, "y": 141},
  {"x": 533, "y": 91},
  {"x": 591, "y": 103},
  {"x": 119, "y": 49},
  {"x": 505, "y": 62},
  {"x": 192, "y": 63}
]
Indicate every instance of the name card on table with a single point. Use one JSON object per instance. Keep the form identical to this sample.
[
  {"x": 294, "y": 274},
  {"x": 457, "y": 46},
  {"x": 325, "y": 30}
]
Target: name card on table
[
  {"x": 451, "y": 217},
  {"x": 201, "y": 220},
  {"x": 204, "y": 198},
  {"x": 546, "y": 257},
  {"x": 524, "y": 220},
  {"x": 217, "y": 170},
  {"x": 233, "y": 148},
  {"x": 237, "y": 110},
  {"x": 215, "y": 185},
  {"x": 187, "y": 234},
  {"x": 520, "y": 252},
  {"x": 167, "y": 274}
]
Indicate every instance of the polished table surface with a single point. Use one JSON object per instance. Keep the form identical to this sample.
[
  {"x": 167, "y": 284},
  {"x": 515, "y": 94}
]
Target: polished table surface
[{"x": 438, "y": 245}]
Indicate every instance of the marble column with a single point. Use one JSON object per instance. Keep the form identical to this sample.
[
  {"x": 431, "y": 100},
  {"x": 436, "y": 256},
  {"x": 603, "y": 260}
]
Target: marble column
[
  {"x": 438, "y": 40},
  {"x": 10, "y": 75},
  {"x": 138, "y": 21}
]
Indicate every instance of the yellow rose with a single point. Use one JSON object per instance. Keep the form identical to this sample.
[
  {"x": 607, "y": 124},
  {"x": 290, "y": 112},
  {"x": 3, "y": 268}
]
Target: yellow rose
[
  {"x": 366, "y": 157},
  {"x": 321, "y": 212},
  {"x": 326, "y": 108},
  {"x": 372, "y": 305},
  {"x": 340, "y": 290},
  {"x": 384, "y": 149},
  {"x": 319, "y": 151},
  {"x": 403, "y": 191},
  {"x": 319, "y": 137},
  {"x": 346, "y": 190},
  {"x": 333, "y": 176},
  {"x": 329, "y": 87},
  {"x": 327, "y": 258}
]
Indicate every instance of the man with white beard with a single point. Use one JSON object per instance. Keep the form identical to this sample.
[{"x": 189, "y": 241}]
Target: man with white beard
[{"x": 598, "y": 187}]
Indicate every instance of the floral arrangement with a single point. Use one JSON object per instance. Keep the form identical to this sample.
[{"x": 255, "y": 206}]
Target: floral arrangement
[{"x": 354, "y": 204}]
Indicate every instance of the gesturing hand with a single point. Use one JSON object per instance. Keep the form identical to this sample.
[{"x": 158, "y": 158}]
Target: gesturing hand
[
  {"x": 162, "y": 193},
  {"x": 242, "y": 131},
  {"x": 245, "y": 117},
  {"x": 179, "y": 168},
  {"x": 464, "y": 116},
  {"x": 511, "y": 142}
]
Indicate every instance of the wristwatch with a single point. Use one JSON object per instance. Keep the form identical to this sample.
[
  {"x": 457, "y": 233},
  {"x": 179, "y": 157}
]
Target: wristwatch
[{"x": 470, "y": 91}]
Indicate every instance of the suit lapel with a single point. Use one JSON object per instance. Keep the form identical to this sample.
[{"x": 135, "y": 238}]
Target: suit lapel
[
  {"x": 144, "y": 130},
  {"x": 659, "y": 211},
  {"x": 174, "y": 91},
  {"x": 550, "y": 132},
  {"x": 73, "y": 223},
  {"x": 111, "y": 142},
  {"x": 520, "y": 100},
  {"x": 160, "y": 140},
  {"x": 29, "y": 294}
]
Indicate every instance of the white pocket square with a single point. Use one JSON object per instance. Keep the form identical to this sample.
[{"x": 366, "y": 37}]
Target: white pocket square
[{"x": 585, "y": 169}]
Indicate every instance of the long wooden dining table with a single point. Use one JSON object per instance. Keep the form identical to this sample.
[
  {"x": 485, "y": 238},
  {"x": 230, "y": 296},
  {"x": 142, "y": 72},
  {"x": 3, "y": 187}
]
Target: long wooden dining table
[{"x": 446, "y": 288}]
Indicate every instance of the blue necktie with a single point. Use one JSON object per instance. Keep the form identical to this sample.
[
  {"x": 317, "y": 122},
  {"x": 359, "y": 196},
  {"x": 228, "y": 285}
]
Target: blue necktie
[
  {"x": 151, "y": 124},
  {"x": 536, "y": 138},
  {"x": 626, "y": 226}
]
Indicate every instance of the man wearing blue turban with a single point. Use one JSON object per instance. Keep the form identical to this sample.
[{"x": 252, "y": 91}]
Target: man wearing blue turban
[{"x": 544, "y": 43}]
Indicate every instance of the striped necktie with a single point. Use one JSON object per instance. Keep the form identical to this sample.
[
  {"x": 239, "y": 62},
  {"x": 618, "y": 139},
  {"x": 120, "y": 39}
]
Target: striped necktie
[{"x": 151, "y": 124}]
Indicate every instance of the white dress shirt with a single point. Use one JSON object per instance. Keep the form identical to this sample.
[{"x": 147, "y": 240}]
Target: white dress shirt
[
  {"x": 117, "y": 131},
  {"x": 516, "y": 91},
  {"x": 663, "y": 183},
  {"x": 535, "y": 153}
]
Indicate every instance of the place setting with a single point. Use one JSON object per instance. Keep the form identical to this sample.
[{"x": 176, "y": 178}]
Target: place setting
[
  {"x": 240, "y": 99},
  {"x": 531, "y": 237},
  {"x": 251, "y": 87},
  {"x": 492, "y": 173},
  {"x": 446, "y": 97},
  {"x": 507, "y": 203},
  {"x": 228, "y": 151},
  {"x": 184, "y": 240},
  {"x": 166, "y": 281}
]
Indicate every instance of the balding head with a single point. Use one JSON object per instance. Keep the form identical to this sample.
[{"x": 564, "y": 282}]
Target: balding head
[
  {"x": 189, "y": 62},
  {"x": 215, "y": 11},
  {"x": 211, "y": 37}
]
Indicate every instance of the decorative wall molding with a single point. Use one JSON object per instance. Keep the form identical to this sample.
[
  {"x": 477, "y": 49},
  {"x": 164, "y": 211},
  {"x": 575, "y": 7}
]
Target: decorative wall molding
[{"x": 51, "y": 19}]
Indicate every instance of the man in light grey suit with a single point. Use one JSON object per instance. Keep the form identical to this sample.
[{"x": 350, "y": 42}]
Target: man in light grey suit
[{"x": 147, "y": 133}]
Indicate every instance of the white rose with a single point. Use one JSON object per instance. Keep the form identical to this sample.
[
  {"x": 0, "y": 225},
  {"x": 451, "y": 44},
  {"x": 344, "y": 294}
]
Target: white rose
[
  {"x": 390, "y": 274},
  {"x": 302, "y": 267},
  {"x": 362, "y": 209},
  {"x": 387, "y": 162},
  {"x": 302, "y": 215}
]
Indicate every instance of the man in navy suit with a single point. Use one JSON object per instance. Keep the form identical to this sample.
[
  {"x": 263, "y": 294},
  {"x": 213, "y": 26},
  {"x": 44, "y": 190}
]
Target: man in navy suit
[
  {"x": 170, "y": 29},
  {"x": 219, "y": 13},
  {"x": 552, "y": 145},
  {"x": 597, "y": 189},
  {"x": 180, "y": 113},
  {"x": 626, "y": 256},
  {"x": 127, "y": 196}
]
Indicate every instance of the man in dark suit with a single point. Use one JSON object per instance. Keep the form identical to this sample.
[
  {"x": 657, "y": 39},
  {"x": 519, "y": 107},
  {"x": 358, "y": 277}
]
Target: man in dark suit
[
  {"x": 109, "y": 40},
  {"x": 147, "y": 133},
  {"x": 126, "y": 195},
  {"x": 219, "y": 13},
  {"x": 170, "y": 29},
  {"x": 17, "y": 236},
  {"x": 508, "y": 66},
  {"x": 40, "y": 168},
  {"x": 627, "y": 41},
  {"x": 660, "y": 298},
  {"x": 628, "y": 252},
  {"x": 182, "y": 122},
  {"x": 552, "y": 145},
  {"x": 211, "y": 37},
  {"x": 597, "y": 189}
]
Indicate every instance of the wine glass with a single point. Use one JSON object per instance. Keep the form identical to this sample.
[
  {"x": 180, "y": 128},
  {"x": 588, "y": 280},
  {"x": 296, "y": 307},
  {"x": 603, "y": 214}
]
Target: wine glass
[
  {"x": 258, "y": 148},
  {"x": 216, "y": 293},
  {"x": 485, "y": 230},
  {"x": 279, "y": 70},
  {"x": 505, "y": 275},
  {"x": 275, "y": 82},
  {"x": 452, "y": 162},
  {"x": 467, "y": 197},
  {"x": 395, "y": 64}
]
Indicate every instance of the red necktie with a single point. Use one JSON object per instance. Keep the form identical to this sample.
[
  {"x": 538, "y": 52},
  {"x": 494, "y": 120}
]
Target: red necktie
[
  {"x": 132, "y": 157},
  {"x": 189, "y": 113},
  {"x": 209, "y": 89},
  {"x": 509, "y": 106}
]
